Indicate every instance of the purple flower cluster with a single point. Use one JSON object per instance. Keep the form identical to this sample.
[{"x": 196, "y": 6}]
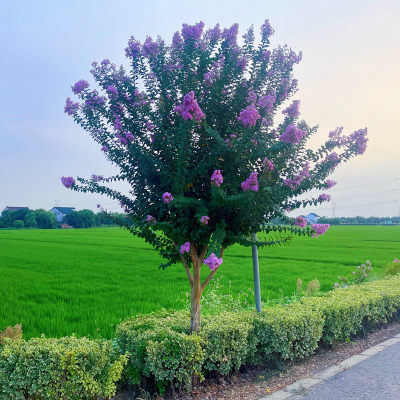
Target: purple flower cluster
[
  {"x": 332, "y": 160},
  {"x": 97, "y": 178},
  {"x": 71, "y": 108},
  {"x": 213, "y": 261},
  {"x": 251, "y": 183},
  {"x": 396, "y": 260},
  {"x": 185, "y": 248},
  {"x": 80, "y": 86},
  {"x": 329, "y": 184},
  {"x": 251, "y": 97},
  {"x": 149, "y": 48},
  {"x": 230, "y": 35},
  {"x": 67, "y": 181},
  {"x": 192, "y": 32},
  {"x": 293, "y": 110},
  {"x": 167, "y": 197},
  {"x": 217, "y": 178},
  {"x": 267, "y": 102},
  {"x": 266, "y": 30},
  {"x": 268, "y": 164},
  {"x": 242, "y": 63},
  {"x": 319, "y": 229},
  {"x": 292, "y": 135},
  {"x": 133, "y": 49},
  {"x": 95, "y": 100},
  {"x": 324, "y": 197},
  {"x": 190, "y": 109},
  {"x": 297, "y": 179},
  {"x": 104, "y": 148},
  {"x": 249, "y": 116},
  {"x": 213, "y": 34},
  {"x": 359, "y": 140},
  {"x": 300, "y": 221},
  {"x": 214, "y": 73},
  {"x": 112, "y": 92},
  {"x": 151, "y": 219},
  {"x": 204, "y": 219}
]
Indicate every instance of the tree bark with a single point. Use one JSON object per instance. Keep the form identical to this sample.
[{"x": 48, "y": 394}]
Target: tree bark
[{"x": 195, "y": 321}]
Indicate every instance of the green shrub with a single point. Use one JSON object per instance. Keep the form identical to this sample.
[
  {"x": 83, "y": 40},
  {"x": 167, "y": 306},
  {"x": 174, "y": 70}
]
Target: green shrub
[
  {"x": 351, "y": 310},
  {"x": 287, "y": 332},
  {"x": 228, "y": 341},
  {"x": 68, "y": 368},
  {"x": 392, "y": 268},
  {"x": 161, "y": 348}
]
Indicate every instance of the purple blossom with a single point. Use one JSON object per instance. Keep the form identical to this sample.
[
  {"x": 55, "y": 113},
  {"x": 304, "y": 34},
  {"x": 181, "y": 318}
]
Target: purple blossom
[
  {"x": 358, "y": 140},
  {"x": 112, "y": 91},
  {"x": 255, "y": 142},
  {"x": 80, "y": 86},
  {"x": 67, "y": 181},
  {"x": 167, "y": 197},
  {"x": 249, "y": 116},
  {"x": 213, "y": 261},
  {"x": 192, "y": 32},
  {"x": 292, "y": 135},
  {"x": 204, "y": 219},
  {"x": 105, "y": 62},
  {"x": 242, "y": 63},
  {"x": 151, "y": 219},
  {"x": 98, "y": 206},
  {"x": 266, "y": 55},
  {"x": 324, "y": 197},
  {"x": 217, "y": 178},
  {"x": 297, "y": 179},
  {"x": 293, "y": 110},
  {"x": 177, "y": 41},
  {"x": 133, "y": 49},
  {"x": 129, "y": 136},
  {"x": 300, "y": 221},
  {"x": 71, "y": 108},
  {"x": 213, "y": 34},
  {"x": 251, "y": 97},
  {"x": 396, "y": 260},
  {"x": 251, "y": 183},
  {"x": 185, "y": 248},
  {"x": 332, "y": 160},
  {"x": 267, "y": 102},
  {"x": 95, "y": 100},
  {"x": 97, "y": 178},
  {"x": 105, "y": 149},
  {"x": 149, "y": 48},
  {"x": 268, "y": 164},
  {"x": 319, "y": 229},
  {"x": 190, "y": 109},
  {"x": 266, "y": 30},
  {"x": 230, "y": 34},
  {"x": 329, "y": 184}
]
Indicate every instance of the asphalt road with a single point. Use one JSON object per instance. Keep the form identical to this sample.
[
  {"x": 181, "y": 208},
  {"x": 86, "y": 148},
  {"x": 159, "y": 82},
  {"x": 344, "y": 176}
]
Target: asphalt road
[{"x": 378, "y": 377}]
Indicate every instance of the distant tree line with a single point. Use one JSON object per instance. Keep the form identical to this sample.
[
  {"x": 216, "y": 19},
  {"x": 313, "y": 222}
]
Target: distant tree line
[
  {"x": 358, "y": 220},
  {"x": 42, "y": 219}
]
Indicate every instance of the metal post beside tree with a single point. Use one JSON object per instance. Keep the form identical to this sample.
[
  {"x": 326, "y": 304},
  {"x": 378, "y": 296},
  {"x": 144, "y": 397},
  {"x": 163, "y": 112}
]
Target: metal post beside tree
[{"x": 256, "y": 275}]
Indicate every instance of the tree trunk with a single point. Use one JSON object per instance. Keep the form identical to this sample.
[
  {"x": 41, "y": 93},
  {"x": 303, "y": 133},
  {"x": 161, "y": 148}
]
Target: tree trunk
[{"x": 195, "y": 321}]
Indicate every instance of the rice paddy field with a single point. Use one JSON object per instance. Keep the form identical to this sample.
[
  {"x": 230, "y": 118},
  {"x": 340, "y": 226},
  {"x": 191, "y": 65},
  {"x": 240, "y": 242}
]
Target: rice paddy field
[{"x": 60, "y": 282}]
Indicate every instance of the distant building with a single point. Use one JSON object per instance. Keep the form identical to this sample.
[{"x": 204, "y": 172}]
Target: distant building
[
  {"x": 9, "y": 208},
  {"x": 312, "y": 218},
  {"x": 61, "y": 212}
]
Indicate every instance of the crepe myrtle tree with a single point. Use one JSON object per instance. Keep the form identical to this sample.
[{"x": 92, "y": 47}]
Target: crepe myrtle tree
[{"x": 190, "y": 128}]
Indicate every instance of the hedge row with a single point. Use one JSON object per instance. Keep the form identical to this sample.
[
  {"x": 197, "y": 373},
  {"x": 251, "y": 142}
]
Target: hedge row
[
  {"x": 162, "y": 349},
  {"x": 54, "y": 369},
  {"x": 159, "y": 349}
]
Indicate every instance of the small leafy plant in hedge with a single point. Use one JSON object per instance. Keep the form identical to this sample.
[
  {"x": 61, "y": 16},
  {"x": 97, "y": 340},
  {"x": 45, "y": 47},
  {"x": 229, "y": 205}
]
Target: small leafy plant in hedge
[
  {"x": 190, "y": 127},
  {"x": 359, "y": 275}
]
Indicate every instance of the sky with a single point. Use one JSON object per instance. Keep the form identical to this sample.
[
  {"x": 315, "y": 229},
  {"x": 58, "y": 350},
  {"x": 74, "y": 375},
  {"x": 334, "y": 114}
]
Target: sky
[{"x": 348, "y": 77}]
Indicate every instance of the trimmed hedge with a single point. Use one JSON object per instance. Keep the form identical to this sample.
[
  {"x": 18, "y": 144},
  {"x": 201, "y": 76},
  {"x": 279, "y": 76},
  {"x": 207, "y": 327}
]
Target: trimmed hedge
[
  {"x": 159, "y": 351},
  {"x": 230, "y": 340},
  {"x": 354, "y": 309},
  {"x": 66, "y": 368}
]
